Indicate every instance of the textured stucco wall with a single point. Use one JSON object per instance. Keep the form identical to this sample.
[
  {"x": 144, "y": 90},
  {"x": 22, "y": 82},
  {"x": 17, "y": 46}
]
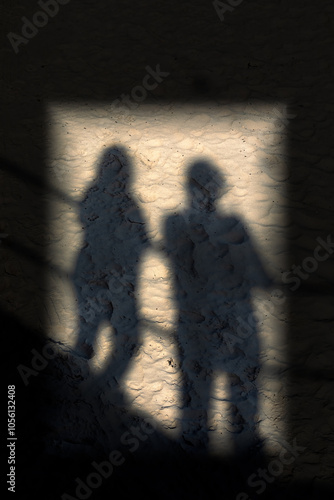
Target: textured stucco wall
[{"x": 258, "y": 90}]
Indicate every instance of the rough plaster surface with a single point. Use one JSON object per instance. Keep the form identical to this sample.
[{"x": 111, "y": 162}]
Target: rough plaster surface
[{"x": 247, "y": 142}]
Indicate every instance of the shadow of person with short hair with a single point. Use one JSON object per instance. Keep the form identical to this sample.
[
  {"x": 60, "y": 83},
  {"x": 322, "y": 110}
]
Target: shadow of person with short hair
[{"x": 215, "y": 266}]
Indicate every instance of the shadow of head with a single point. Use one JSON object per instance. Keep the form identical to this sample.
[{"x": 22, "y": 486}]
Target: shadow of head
[
  {"x": 206, "y": 184},
  {"x": 114, "y": 170}
]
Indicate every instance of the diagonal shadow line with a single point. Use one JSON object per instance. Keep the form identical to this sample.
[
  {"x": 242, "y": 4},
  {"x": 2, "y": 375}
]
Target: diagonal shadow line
[
  {"x": 34, "y": 257},
  {"x": 21, "y": 173}
]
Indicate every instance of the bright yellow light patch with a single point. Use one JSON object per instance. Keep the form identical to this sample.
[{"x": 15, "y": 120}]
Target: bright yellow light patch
[{"x": 246, "y": 143}]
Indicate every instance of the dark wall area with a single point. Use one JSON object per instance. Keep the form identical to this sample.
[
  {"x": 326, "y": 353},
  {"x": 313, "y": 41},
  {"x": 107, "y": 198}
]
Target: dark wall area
[{"x": 95, "y": 51}]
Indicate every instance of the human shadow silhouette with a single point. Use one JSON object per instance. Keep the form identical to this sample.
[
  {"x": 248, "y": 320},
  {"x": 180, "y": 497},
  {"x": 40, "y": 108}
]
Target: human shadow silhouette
[
  {"x": 212, "y": 257},
  {"x": 215, "y": 267},
  {"x": 105, "y": 276}
]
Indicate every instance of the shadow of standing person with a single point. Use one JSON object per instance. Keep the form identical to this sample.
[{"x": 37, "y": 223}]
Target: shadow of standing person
[
  {"x": 215, "y": 267},
  {"x": 105, "y": 276}
]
